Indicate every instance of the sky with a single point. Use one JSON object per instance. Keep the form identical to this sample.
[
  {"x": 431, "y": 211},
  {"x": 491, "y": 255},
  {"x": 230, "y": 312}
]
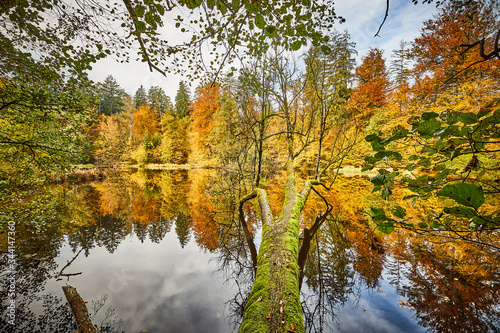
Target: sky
[{"x": 363, "y": 19}]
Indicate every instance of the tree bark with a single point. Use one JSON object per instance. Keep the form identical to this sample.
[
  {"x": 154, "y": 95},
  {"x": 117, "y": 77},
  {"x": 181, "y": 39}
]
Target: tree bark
[
  {"x": 79, "y": 310},
  {"x": 274, "y": 302}
]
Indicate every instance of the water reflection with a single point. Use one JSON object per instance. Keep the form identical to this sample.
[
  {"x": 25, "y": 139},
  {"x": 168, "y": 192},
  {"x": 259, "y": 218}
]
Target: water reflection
[{"x": 152, "y": 250}]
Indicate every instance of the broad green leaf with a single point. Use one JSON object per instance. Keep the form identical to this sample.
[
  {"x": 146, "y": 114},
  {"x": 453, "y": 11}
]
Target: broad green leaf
[
  {"x": 161, "y": 9},
  {"x": 301, "y": 30},
  {"x": 378, "y": 214},
  {"x": 468, "y": 118},
  {"x": 427, "y": 128},
  {"x": 397, "y": 156},
  {"x": 222, "y": 7},
  {"x": 399, "y": 211},
  {"x": 436, "y": 225},
  {"x": 386, "y": 228},
  {"x": 460, "y": 211},
  {"x": 378, "y": 179},
  {"x": 429, "y": 115},
  {"x": 372, "y": 137},
  {"x": 413, "y": 158},
  {"x": 464, "y": 194},
  {"x": 386, "y": 193},
  {"x": 141, "y": 26},
  {"x": 296, "y": 45}
]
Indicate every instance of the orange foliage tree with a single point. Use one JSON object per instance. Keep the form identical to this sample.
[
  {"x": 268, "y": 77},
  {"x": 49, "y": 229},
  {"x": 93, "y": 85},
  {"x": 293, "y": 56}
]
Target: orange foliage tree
[
  {"x": 203, "y": 112},
  {"x": 373, "y": 83},
  {"x": 440, "y": 52}
]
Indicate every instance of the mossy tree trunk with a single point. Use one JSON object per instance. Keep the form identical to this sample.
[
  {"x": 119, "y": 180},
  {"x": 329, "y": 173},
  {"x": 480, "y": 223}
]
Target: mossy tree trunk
[{"x": 274, "y": 302}]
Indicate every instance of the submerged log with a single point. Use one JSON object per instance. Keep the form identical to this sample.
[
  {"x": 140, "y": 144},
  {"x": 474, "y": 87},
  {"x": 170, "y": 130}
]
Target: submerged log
[{"x": 79, "y": 310}]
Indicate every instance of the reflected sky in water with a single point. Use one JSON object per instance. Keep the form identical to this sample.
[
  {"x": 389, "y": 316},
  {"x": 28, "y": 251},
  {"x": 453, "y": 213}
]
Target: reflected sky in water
[{"x": 155, "y": 287}]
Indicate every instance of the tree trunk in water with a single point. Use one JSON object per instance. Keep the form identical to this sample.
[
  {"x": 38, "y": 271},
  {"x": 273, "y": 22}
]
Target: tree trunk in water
[
  {"x": 79, "y": 310},
  {"x": 274, "y": 302}
]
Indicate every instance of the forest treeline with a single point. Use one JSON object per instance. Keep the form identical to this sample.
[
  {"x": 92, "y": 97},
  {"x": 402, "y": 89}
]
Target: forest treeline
[
  {"x": 224, "y": 122},
  {"x": 239, "y": 120}
]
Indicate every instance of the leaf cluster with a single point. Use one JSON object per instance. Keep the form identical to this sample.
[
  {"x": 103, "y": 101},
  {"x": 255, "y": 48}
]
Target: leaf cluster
[{"x": 447, "y": 149}]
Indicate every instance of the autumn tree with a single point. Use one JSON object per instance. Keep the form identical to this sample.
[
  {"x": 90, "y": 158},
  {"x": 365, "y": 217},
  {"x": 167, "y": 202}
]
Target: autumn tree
[
  {"x": 276, "y": 288},
  {"x": 372, "y": 83},
  {"x": 443, "y": 54},
  {"x": 174, "y": 144},
  {"x": 204, "y": 108}
]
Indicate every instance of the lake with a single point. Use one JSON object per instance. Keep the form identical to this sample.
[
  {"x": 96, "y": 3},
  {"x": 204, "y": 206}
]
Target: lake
[{"x": 164, "y": 252}]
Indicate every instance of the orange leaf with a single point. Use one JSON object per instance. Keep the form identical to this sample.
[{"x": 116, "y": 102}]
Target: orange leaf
[
  {"x": 268, "y": 316},
  {"x": 292, "y": 328}
]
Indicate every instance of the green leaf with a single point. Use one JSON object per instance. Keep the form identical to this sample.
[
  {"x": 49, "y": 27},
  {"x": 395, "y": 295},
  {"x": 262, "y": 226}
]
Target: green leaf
[
  {"x": 259, "y": 21},
  {"x": 271, "y": 31},
  {"x": 413, "y": 158},
  {"x": 326, "y": 49},
  {"x": 160, "y": 9},
  {"x": 468, "y": 118},
  {"x": 399, "y": 211},
  {"x": 423, "y": 225},
  {"x": 386, "y": 193},
  {"x": 378, "y": 214},
  {"x": 429, "y": 115},
  {"x": 435, "y": 225},
  {"x": 460, "y": 211},
  {"x": 222, "y": 7},
  {"x": 464, "y": 194},
  {"x": 378, "y": 179},
  {"x": 141, "y": 26},
  {"x": 397, "y": 156},
  {"x": 386, "y": 228},
  {"x": 428, "y": 127},
  {"x": 139, "y": 10},
  {"x": 301, "y": 30},
  {"x": 372, "y": 137},
  {"x": 296, "y": 45}
]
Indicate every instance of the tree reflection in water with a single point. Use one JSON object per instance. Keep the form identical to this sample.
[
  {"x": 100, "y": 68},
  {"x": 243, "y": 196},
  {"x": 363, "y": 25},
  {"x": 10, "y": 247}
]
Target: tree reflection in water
[{"x": 448, "y": 287}]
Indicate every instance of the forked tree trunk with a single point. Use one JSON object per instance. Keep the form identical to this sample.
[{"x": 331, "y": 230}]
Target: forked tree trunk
[{"x": 274, "y": 302}]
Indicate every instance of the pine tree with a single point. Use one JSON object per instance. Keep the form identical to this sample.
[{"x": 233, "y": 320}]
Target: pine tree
[
  {"x": 140, "y": 97},
  {"x": 182, "y": 100},
  {"x": 159, "y": 101},
  {"x": 111, "y": 95},
  {"x": 400, "y": 64}
]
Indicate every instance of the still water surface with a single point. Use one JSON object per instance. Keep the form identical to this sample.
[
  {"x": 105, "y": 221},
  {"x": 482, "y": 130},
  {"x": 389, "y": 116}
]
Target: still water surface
[{"x": 162, "y": 252}]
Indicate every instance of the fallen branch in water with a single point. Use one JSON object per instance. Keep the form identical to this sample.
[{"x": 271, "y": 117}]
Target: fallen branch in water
[{"x": 79, "y": 310}]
